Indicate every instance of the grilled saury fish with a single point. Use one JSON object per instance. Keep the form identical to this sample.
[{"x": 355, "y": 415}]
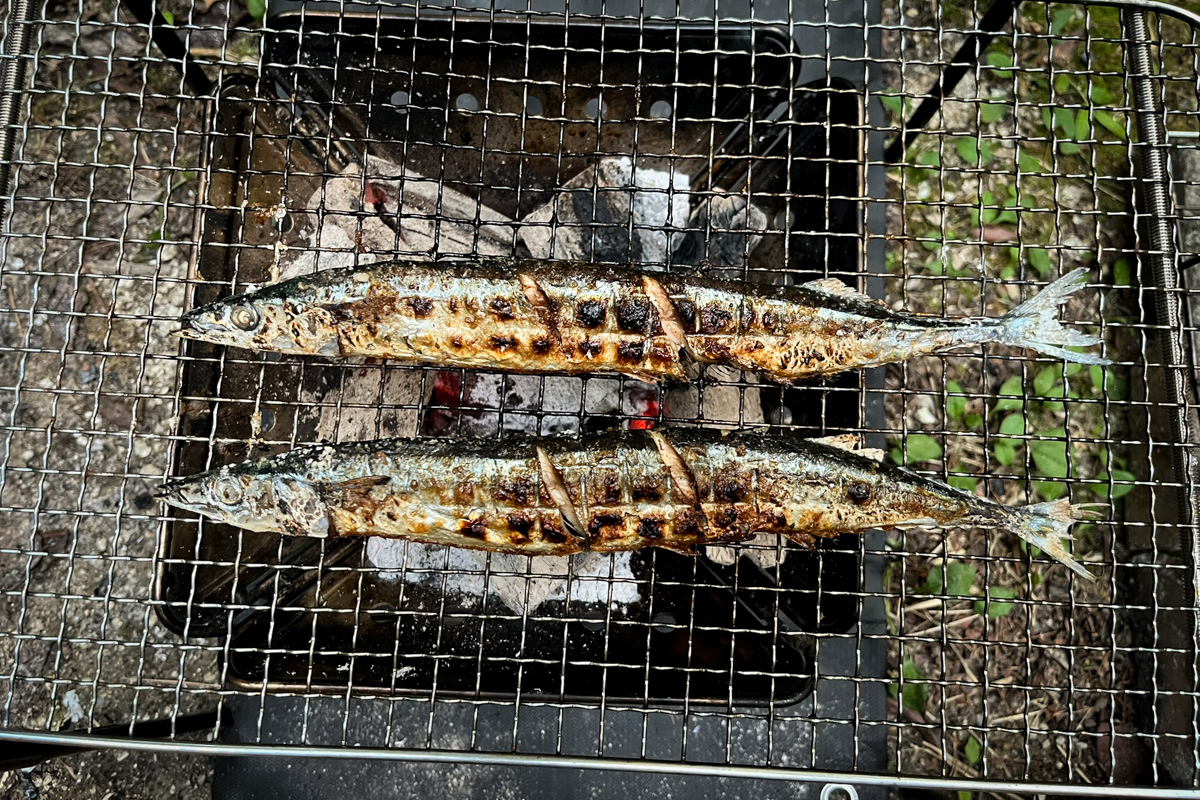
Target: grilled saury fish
[
  {"x": 676, "y": 488},
  {"x": 546, "y": 317}
]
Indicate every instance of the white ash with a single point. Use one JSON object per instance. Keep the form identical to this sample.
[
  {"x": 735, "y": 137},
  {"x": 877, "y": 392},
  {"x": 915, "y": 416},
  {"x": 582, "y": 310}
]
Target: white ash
[
  {"x": 522, "y": 583},
  {"x": 74, "y": 707},
  {"x": 430, "y": 222}
]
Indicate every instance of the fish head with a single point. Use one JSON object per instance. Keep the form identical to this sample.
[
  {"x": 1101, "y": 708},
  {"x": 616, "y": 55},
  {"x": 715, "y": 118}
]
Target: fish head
[
  {"x": 265, "y": 321},
  {"x": 255, "y": 500}
]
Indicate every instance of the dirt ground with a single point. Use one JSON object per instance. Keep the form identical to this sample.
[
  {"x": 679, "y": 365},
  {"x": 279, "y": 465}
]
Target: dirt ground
[
  {"x": 88, "y": 386},
  {"x": 1028, "y": 689}
]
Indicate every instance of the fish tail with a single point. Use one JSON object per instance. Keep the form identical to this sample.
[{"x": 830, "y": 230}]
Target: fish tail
[
  {"x": 1034, "y": 323},
  {"x": 1046, "y": 526}
]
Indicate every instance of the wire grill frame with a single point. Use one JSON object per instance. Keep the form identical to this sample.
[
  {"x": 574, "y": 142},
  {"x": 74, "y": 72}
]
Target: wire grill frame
[{"x": 90, "y": 382}]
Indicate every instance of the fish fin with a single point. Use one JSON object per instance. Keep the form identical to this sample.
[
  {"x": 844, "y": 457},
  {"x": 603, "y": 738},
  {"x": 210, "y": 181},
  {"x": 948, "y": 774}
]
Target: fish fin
[
  {"x": 557, "y": 489},
  {"x": 852, "y": 442},
  {"x": 683, "y": 481},
  {"x": 843, "y": 441},
  {"x": 668, "y": 315},
  {"x": 352, "y": 486},
  {"x": 803, "y": 539},
  {"x": 723, "y": 373},
  {"x": 839, "y": 289},
  {"x": 1034, "y": 323},
  {"x": 1046, "y": 526}
]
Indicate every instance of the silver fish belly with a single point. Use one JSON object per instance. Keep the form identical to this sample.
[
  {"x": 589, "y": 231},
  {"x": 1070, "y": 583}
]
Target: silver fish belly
[
  {"x": 539, "y": 317},
  {"x": 677, "y": 489}
]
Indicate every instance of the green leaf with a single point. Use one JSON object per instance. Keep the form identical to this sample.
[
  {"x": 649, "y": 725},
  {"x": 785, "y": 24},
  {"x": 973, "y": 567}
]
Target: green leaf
[
  {"x": 968, "y": 150},
  {"x": 964, "y": 482},
  {"x": 257, "y": 8},
  {"x": 972, "y": 420},
  {"x": 1083, "y": 125},
  {"x": 1045, "y": 380},
  {"x": 1096, "y": 373},
  {"x": 929, "y": 158},
  {"x": 896, "y": 455},
  {"x": 1030, "y": 163},
  {"x": 1050, "y": 456},
  {"x": 973, "y": 751},
  {"x": 893, "y": 102},
  {"x": 1109, "y": 123},
  {"x": 915, "y": 695},
  {"x": 1119, "y": 490},
  {"x": 1000, "y": 61},
  {"x": 1068, "y": 148},
  {"x": 1011, "y": 392},
  {"x": 1013, "y": 425},
  {"x": 1057, "y": 390},
  {"x": 1050, "y": 490},
  {"x": 959, "y": 578},
  {"x": 992, "y": 112},
  {"x": 1048, "y": 119},
  {"x": 1039, "y": 259},
  {"x": 1099, "y": 94},
  {"x": 923, "y": 448},
  {"x": 1122, "y": 273},
  {"x": 1005, "y": 451},
  {"x": 1060, "y": 20},
  {"x": 933, "y": 581},
  {"x": 1064, "y": 119},
  {"x": 1062, "y": 83},
  {"x": 963, "y": 794},
  {"x": 167, "y": 15},
  {"x": 993, "y": 607},
  {"x": 955, "y": 403},
  {"x": 954, "y": 579},
  {"x": 986, "y": 152}
]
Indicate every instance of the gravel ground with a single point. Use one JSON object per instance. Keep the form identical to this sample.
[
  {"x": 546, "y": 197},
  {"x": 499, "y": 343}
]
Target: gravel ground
[{"x": 94, "y": 276}]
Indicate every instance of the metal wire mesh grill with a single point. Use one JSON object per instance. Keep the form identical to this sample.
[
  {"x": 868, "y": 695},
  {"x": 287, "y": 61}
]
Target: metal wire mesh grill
[{"x": 748, "y": 143}]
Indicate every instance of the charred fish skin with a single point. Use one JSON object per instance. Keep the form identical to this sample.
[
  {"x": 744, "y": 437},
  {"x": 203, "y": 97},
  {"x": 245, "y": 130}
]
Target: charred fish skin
[
  {"x": 516, "y": 316},
  {"x": 678, "y": 489},
  {"x": 540, "y": 317}
]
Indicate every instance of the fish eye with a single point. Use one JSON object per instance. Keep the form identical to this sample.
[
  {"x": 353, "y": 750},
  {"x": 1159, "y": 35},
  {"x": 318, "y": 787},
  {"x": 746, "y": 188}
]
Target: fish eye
[
  {"x": 244, "y": 317},
  {"x": 859, "y": 492},
  {"x": 228, "y": 490}
]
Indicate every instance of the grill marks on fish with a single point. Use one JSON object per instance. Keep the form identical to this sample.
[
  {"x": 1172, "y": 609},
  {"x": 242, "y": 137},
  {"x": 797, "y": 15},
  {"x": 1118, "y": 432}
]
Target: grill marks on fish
[
  {"x": 674, "y": 488},
  {"x": 534, "y": 317}
]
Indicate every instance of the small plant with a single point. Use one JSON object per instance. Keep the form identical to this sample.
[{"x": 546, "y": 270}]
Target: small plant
[
  {"x": 955, "y": 579},
  {"x": 920, "y": 446},
  {"x": 994, "y": 605},
  {"x": 915, "y": 695}
]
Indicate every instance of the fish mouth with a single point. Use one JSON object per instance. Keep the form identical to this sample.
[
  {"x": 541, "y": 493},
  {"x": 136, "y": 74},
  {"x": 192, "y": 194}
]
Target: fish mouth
[
  {"x": 200, "y": 323},
  {"x": 175, "y": 493},
  {"x": 168, "y": 493}
]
